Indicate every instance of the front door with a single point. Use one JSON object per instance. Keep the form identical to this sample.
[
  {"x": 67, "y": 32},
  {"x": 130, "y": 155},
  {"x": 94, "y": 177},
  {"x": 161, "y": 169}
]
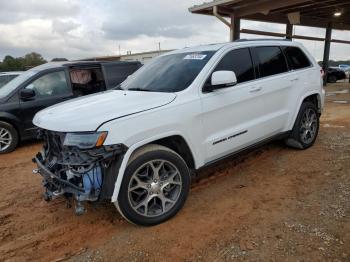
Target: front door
[
  {"x": 236, "y": 117},
  {"x": 50, "y": 88}
]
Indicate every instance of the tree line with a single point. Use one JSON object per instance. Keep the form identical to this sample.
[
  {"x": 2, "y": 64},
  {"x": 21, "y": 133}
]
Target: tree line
[{"x": 10, "y": 63}]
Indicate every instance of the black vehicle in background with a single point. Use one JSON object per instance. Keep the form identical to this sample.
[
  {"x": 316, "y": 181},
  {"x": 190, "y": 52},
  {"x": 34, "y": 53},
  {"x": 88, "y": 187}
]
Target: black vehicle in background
[
  {"x": 334, "y": 74},
  {"x": 49, "y": 84}
]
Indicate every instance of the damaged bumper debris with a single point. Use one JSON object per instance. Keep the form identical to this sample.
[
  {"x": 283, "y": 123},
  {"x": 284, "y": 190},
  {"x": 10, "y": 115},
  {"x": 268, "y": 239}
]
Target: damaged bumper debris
[{"x": 87, "y": 174}]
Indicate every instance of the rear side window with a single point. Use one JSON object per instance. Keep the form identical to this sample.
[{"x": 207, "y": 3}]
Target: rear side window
[
  {"x": 271, "y": 61},
  {"x": 296, "y": 57},
  {"x": 240, "y": 62}
]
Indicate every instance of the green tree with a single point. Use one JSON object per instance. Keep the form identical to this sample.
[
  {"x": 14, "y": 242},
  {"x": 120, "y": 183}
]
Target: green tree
[
  {"x": 30, "y": 60},
  {"x": 10, "y": 63},
  {"x": 33, "y": 59}
]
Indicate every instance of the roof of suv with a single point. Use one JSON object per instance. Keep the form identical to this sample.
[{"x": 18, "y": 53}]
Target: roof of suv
[{"x": 215, "y": 47}]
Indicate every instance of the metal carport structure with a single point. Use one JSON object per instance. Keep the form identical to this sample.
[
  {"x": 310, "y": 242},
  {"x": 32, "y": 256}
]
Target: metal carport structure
[{"x": 328, "y": 14}]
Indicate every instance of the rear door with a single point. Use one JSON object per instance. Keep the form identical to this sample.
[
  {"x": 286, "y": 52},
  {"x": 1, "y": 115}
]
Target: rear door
[
  {"x": 50, "y": 88},
  {"x": 302, "y": 77},
  {"x": 276, "y": 85}
]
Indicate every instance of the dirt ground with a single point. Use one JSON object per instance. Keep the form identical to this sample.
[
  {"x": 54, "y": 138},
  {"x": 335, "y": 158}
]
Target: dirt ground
[{"x": 273, "y": 204}]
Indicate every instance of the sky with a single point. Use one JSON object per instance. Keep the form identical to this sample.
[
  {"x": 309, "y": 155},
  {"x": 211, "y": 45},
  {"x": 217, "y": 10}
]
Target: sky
[{"x": 80, "y": 29}]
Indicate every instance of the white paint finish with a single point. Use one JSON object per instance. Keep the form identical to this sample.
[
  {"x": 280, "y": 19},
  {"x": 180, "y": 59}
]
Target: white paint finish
[
  {"x": 223, "y": 78},
  {"x": 89, "y": 112},
  {"x": 257, "y": 107},
  {"x": 262, "y": 107}
]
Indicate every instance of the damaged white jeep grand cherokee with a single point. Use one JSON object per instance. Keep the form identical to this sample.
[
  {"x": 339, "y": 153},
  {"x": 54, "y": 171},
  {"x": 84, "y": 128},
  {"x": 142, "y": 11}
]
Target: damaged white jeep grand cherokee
[{"x": 139, "y": 144}]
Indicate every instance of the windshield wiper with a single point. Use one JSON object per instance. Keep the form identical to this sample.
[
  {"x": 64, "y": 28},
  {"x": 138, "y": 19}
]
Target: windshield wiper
[
  {"x": 118, "y": 87},
  {"x": 140, "y": 89}
]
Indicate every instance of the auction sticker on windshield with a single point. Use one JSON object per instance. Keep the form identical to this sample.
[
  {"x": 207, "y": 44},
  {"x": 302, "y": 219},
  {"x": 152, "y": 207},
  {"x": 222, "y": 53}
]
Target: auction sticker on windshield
[{"x": 195, "y": 56}]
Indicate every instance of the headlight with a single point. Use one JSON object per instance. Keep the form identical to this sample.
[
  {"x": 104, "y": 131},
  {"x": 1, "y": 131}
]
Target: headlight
[{"x": 85, "y": 140}]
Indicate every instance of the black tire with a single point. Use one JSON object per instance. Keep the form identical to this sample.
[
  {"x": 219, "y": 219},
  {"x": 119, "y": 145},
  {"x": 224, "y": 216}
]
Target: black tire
[
  {"x": 13, "y": 136},
  {"x": 332, "y": 79},
  {"x": 143, "y": 157},
  {"x": 295, "y": 139}
]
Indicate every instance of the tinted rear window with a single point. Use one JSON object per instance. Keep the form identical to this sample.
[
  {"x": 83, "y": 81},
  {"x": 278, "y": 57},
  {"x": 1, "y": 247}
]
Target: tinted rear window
[
  {"x": 296, "y": 57},
  {"x": 240, "y": 62},
  {"x": 271, "y": 61}
]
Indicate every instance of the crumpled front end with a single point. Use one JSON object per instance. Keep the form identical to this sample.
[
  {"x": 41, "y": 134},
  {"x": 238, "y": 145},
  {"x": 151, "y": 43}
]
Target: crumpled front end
[{"x": 83, "y": 174}]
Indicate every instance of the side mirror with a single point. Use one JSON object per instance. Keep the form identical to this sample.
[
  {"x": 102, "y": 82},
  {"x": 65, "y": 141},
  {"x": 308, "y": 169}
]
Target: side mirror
[
  {"x": 223, "y": 78},
  {"x": 27, "y": 94}
]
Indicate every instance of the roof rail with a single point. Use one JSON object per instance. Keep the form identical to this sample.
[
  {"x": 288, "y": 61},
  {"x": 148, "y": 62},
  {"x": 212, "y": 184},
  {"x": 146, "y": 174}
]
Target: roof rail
[{"x": 262, "y": 39}]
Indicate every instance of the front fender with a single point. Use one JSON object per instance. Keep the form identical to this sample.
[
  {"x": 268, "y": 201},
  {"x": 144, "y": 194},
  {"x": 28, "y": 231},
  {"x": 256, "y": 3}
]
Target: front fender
[
  {"x": 11, "y": 119},
  {"x": 130, "y": 151}
]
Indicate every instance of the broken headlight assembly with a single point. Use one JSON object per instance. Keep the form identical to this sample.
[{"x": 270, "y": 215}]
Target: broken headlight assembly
[
  {"x": 78, "y": 165},
  {"x": 85, "y": 140}
]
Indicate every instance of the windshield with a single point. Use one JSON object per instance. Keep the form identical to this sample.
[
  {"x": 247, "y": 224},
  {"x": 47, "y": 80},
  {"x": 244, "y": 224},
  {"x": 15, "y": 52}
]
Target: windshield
[
  {"x": 170, "y": 73},
  {"x": 13, "y": 84}
]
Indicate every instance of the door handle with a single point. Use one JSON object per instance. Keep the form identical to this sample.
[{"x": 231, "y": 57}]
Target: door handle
[
  {"x": 255, "y": 89},
  {"x": 294, "y": 79}
]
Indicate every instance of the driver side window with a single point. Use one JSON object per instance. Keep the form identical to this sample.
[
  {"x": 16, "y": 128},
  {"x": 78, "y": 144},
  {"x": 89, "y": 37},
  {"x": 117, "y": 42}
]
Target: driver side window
[
  {"x": 51, "y": 84},
  {"x": 240, "y": 62}
]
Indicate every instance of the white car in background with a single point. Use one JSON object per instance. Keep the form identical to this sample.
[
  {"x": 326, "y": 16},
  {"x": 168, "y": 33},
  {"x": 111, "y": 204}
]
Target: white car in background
[
  {"x": 138, "y": 145},
  {"x": 6, "y": 77},
  {"x": 345, "y": 68}
]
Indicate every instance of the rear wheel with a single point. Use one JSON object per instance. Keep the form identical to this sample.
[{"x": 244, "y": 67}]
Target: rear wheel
[
  {"x": 306, "y": 127},
  {"x": 8, "y": 138},
  {"x": 332, "y": 79},
  {"x": 155, "y": 186}
]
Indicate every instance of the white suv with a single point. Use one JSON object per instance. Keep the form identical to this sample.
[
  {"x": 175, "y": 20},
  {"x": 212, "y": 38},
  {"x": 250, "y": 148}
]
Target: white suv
[{"x": 139, "y": 144}]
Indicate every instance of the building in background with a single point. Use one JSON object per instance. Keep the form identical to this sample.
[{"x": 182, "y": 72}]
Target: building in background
[{"x": 143, "y": 57}]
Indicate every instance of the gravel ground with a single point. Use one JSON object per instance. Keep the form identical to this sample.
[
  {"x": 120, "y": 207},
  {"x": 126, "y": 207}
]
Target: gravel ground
[{"x": 273, "y": 204}]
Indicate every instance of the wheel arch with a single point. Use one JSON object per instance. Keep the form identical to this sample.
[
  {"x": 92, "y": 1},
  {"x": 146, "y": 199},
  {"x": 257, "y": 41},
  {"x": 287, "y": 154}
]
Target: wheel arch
[
  {"x": 7, "y": 118},
  {"x": 174, "y": 141},
  {"x": 314, "y": 97}
]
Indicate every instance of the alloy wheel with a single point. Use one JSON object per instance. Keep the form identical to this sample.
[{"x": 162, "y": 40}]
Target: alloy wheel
[
  {"x": 308, "y": 126},
  {"x": 5, "y": 139},
  {"x": 154, "y": 188}
]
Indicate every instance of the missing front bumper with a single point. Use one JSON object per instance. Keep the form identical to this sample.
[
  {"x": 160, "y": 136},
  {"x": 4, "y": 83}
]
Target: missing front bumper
[
  {"x": 85, "y": 175},
  {"x": 52, "y": 182}
]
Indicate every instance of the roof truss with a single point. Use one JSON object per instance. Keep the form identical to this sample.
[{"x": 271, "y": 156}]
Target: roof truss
[{"x": 316, "y": 13}]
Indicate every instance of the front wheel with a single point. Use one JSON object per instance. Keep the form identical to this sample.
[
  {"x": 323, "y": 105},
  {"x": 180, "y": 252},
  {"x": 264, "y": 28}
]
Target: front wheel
[
  {"x": 8, "y": 138},
  {"x": 155, "y": 186},
  {"x": 305, "y": 128}
]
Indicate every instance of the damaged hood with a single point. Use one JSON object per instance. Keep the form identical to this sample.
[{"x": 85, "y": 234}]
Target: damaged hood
[{"x": 89, "y": 112}]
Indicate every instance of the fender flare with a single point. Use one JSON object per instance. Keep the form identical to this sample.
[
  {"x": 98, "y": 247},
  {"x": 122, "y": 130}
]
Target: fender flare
[
  {"x": 314, "y": 92},
  {"x": 129, "y": 153},
  {"x": 11, "y": 119}
]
